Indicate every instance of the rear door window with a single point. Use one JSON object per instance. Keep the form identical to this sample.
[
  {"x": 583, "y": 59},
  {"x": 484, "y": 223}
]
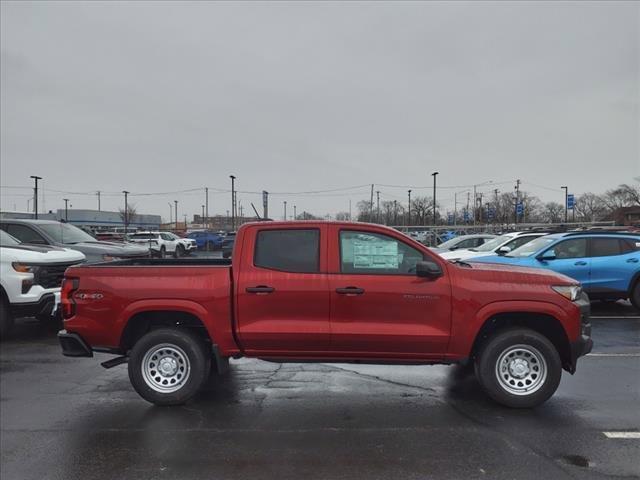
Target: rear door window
[
  {"x": 296, "y": 251},
  {"x": 605, "y": 247}
]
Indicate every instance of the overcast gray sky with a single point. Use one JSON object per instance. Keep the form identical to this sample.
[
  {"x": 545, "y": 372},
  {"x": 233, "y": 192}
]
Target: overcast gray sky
[{"x": 290, "y": 97}]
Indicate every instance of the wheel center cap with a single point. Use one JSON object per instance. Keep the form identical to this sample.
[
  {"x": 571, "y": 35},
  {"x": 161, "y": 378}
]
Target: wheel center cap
[
  {"x": 519, "y": 368},
  {"x": 168, "y": 366}
]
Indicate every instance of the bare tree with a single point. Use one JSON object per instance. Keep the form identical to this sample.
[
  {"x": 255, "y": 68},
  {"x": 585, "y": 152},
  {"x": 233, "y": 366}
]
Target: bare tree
[
  {"x": 131, "y": 214},
  {"x": 553, "y": 212},
  {"x": 342, "y": 216},
  {"x": 590, "y": 207}
]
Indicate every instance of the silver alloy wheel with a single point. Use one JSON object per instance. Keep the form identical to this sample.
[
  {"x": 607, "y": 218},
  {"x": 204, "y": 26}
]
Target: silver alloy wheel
[
  {"x": 165, "y": 368},
  {"x": 521, "y": 370}
]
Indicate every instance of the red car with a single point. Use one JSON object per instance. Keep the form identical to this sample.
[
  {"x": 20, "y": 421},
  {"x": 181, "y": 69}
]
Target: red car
[{"x": 326, "y": 292}]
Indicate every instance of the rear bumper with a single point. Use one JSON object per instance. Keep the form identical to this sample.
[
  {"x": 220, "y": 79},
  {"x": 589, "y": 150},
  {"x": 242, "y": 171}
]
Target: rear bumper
[
  {"x": 584, "y": 344},
  {"x": 73, "y": 345}
]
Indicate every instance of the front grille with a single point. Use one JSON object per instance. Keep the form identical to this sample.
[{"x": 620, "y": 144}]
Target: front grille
[{"x": 50, "y": 276}]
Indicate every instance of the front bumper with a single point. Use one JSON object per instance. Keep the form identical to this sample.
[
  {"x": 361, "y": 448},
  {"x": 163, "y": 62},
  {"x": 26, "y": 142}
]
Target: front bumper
[
  {"x": 584, "y": 344},
  {"x": 73, "y": 345},
  {"x": 44, "y": 306}
]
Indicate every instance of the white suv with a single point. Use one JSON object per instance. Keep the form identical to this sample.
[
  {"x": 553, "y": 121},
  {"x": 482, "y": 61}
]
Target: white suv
[
  {"x": 496, "y": 246},
  {"x": 30, "y": 279},
  {"x": 161, "y": 243}
]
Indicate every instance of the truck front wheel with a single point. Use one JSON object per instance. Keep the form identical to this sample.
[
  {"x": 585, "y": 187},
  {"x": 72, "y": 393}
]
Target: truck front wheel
[
  {"x": 519, "y": 368},
  {"x": 168, "y": 366}
]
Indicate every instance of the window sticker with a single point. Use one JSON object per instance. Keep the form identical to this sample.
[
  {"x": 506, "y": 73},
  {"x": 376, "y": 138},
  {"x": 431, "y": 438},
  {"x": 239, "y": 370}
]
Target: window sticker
[{"x": 371, "y": 252}]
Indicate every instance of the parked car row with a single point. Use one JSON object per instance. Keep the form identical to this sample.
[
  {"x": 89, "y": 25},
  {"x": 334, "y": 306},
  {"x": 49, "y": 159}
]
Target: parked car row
[
  {"x": 606, "y": 263},
  {"x": 162, "y": 243}
]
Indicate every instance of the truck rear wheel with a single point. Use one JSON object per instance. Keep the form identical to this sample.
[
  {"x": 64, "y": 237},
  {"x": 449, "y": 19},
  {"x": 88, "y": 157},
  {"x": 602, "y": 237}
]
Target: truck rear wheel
[
  {"x": 168, "y": 366},
  {"x": 519, "y": 368}
]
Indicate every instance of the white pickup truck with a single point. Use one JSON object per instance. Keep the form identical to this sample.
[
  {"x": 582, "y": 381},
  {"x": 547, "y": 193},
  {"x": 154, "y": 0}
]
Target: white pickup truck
[{"x": 30, "y": 278}]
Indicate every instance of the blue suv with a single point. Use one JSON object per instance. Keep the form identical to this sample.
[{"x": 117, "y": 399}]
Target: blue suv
[
  {"x": 204, "y": 239},
  {"x": 606, "y": 263}
]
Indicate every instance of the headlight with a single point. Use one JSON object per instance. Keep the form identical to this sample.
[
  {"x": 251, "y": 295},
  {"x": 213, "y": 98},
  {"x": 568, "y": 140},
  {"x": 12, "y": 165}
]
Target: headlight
[
  {"x": 570, "y": 292},
  {"x": 24, "y": 268}
]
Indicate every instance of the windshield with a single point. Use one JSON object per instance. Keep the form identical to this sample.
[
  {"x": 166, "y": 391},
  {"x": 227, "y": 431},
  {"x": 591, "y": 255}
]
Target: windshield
[
  {"x": 173, "y": 235},
  {"x": 450, "y": 243},
  {"x": 7, "y": 240},
  {"x": 530, "y": 248},
  {"x": 65, "y": 233},
  {"x": 493, "y": 243}
]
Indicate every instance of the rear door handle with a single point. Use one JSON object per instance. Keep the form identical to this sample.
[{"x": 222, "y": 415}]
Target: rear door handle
[
  {"x": 632, "y": 260},
  {"x": 260, "y": 289},
  {"x": 581, "y": 263},
  {"x": 350, "y": 291}
]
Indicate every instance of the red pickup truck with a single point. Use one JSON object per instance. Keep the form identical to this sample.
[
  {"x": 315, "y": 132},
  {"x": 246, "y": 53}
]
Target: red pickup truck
[{"x": 326, "y": 292}]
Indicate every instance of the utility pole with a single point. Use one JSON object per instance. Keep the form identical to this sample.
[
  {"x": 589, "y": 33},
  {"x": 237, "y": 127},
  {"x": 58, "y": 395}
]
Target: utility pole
[
  {"x": 517, "y": 197},
  {"x": 434, "y": 175},
  {"x": 455, "y": 209},
  {"x": 98, "y": 193},
  {"x": 66, "y": 209},
  {"x": 566, "y": 202},
  {"x": 265, "y": 204},
  {"x": 371, "y": 205},
  {"x": 409, "y": 210},
  {"x": 285, "y": 210},
  {"x": 395, "y": 212},
  {"x": 176, "y": 204},
  {"x": 495, "y": 214},
  {"x": 295, "y": 213},
  {"x": 378, "y": 206},
  {"x": 475, "y": 203},
  {"x": 468, "y": 194},
  {"x": 233, "y": 202},
  {"x": 480, "y": 209},
  {"x": 203, "y": 215},
  {"x": 126, "y": 211},
  {"x": 35, "y": 195},
  {"x": 206, "y": 205}
]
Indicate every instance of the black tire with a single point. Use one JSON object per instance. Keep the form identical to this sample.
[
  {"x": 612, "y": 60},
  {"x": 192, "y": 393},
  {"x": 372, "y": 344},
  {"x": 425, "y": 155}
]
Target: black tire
[
  {"x": 535, "y": 365},
  {"x": 179, "y": 251},
  {"x": 163, "y": 252},
  {"x": 6, "y": 319},
  {"x": 170, "y": 344},
  {"x": 635, "y": 295}
]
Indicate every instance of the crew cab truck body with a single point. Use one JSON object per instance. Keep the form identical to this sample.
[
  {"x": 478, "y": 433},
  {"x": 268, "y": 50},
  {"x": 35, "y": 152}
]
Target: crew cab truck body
[{"x": 326, "y": 292}]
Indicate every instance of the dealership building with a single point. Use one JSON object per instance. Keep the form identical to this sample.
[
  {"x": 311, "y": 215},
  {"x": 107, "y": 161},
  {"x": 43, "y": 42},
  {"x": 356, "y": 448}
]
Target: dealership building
[{"x": 94, "y": 219}]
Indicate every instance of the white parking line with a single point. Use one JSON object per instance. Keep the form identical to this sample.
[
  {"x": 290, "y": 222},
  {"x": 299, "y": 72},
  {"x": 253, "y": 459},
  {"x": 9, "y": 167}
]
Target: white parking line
[
  {"x": 634, "y": 435},
  {"x": 613, "y": 354}
]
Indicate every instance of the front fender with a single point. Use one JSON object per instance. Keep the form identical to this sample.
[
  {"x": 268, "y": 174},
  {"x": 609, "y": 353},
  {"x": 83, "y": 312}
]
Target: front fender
[{"x": 465, "y": 330}]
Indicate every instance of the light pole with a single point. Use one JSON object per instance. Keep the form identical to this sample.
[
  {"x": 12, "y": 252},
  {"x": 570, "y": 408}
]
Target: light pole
[
  {"x": 409, "y": 210},
  {"x": 170, "y": 212},
  {"x": 176, "y": 204},
  {"x": 566, "y": 201},
  {"x": 295, "y": 212},
  {"x": 66, "y": 209},
  {"x": 233, "y": 202},
  {"x": 126, "y": 211},
  {"x": 377, "y": 206},
  {"x": 285, "y": 210},
  {"x": 35, "y": 195},
  {"x": 434, "y": 175},
  {"x": 206, "y": 202},
  {"x": 203, "y": 215},
  {"x": 98, "y": 193}
]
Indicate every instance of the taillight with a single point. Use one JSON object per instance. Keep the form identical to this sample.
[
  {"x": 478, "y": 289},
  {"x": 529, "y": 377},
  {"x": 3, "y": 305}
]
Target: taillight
[{"x": 69, "y": 286}]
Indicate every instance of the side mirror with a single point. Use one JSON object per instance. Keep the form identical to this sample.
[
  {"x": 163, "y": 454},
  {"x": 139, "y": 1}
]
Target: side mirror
[
  {"x": 548, "y": 255},
  {"x": 503, "y": 250},
  {"x": 428, "y": 269}
]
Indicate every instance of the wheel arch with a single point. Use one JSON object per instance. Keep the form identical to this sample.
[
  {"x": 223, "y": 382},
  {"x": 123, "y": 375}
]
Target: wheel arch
[{"x": 543, "y": 323}]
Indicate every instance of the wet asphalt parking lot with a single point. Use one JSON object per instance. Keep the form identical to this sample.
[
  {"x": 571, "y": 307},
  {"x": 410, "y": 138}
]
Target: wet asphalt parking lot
[{"x": 64, "y": 418}]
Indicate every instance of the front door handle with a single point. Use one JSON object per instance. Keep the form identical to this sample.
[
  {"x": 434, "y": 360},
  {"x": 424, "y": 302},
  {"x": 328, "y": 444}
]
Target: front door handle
[
  {"x": 350, "y": 291},
  {"x": 260, "y": 289},
  {"x": 581, "y": 263},
  {"x": 632, "y": 260}
]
